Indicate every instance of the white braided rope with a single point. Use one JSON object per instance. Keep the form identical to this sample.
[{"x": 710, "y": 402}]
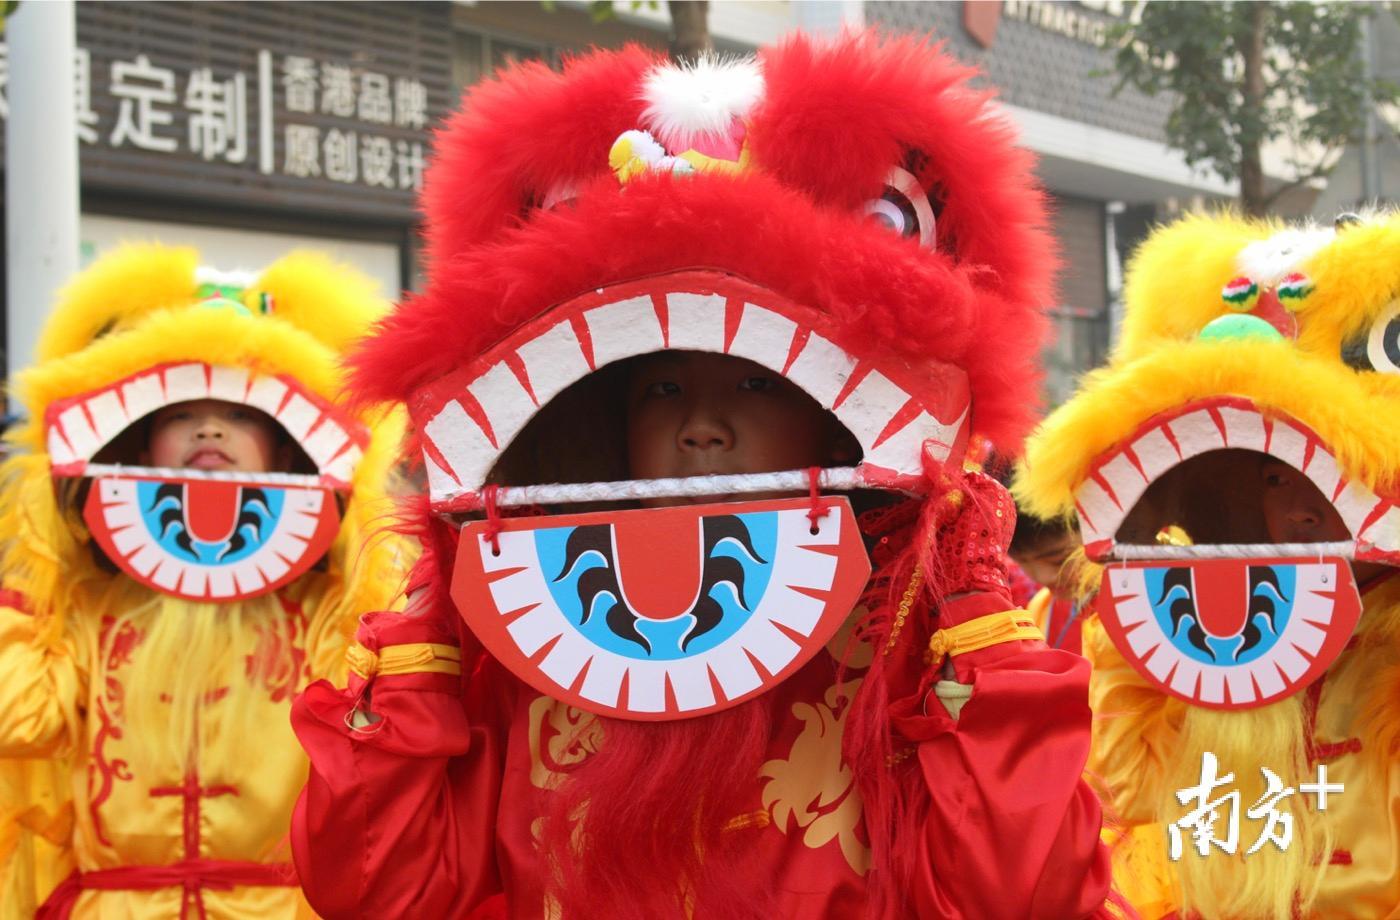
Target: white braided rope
[
  {"x": 119, "y": 471},
  {"x": 1140, "y": 552},
  {"x": 844, "y": 477}
]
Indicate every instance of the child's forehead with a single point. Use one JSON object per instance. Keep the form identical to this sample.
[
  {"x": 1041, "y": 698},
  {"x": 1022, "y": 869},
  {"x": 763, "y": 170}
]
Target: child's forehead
[
  {"x": 1052, "y": 544},
  {"x": 213, "y": 407}
]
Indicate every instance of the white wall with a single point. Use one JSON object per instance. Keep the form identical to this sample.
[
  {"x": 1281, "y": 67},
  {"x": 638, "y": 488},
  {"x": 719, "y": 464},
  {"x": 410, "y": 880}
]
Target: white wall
[{"x": 229, "y": 249}]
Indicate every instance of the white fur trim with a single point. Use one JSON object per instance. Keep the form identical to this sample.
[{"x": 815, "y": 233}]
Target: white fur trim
[
  {"x": 704, "y": 98},
  {"x": 206, "y": 275},
  {"x": 1268, "y": 261},
  {"x": 644, "y": 146}
]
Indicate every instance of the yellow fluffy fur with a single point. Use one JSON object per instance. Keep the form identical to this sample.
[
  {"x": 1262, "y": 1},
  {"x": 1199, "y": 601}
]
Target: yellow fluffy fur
[
  {"x": 141, "y": 298},
  {"x": 1174, "y": 291}
]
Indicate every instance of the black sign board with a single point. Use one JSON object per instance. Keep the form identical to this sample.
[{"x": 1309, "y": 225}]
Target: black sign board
[{"x": 311, "y": 108}]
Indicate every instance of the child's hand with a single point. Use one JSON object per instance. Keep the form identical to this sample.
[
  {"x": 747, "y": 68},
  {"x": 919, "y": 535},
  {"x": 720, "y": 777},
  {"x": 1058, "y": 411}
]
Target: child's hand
[
  {"x": 389, "y": 642},
  {"x": 977, "y": 518}
]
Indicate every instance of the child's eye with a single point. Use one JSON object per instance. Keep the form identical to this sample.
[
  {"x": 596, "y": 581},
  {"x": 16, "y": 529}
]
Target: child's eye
[
  {"x": 759, "y": 384},
  {"x": 663, "y": 388}
]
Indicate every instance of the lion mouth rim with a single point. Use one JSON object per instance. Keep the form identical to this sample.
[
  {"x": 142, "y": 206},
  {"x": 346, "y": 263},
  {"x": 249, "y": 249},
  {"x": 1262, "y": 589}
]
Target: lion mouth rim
[
  {"x": 1119, "y": 478},
  {"x": 77, "y": 428},
  {"x": 896, "y": 412}
]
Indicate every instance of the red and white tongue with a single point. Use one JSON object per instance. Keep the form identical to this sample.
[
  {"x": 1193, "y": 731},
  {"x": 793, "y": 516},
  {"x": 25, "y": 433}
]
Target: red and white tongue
[
  {"x": 658, "y": 562},
  {"x": 211, "y": 509},
  {"x": 1222, "y": 597}
]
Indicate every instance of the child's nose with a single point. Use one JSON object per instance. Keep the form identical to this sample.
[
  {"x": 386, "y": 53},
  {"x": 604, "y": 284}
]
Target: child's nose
[
  {"x": 209, "y": 427},
  {"x": 1304, "y": 517},
  {"x": 705, "y": 431}
]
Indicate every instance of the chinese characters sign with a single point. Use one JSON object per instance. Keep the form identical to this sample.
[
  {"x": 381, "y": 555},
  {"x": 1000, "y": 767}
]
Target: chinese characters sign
[
  {"x": 335, "y": 120},
  {"x": 1215, "y": 822}
]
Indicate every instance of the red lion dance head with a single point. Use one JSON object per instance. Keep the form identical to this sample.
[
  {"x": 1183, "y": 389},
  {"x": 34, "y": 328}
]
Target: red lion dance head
[{"x": 849, "y": 214}]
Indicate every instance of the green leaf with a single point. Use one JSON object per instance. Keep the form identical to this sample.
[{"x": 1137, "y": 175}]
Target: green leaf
[{"x": 1313, "y": 86}]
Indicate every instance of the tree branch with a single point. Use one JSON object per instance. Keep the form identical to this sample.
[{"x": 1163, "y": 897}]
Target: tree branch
[{"x": 1322, "y": 168}]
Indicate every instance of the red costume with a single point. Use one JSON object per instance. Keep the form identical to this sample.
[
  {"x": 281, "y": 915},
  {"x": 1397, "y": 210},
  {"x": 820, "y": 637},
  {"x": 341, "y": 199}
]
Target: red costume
[{"x": 925, "y": 759}]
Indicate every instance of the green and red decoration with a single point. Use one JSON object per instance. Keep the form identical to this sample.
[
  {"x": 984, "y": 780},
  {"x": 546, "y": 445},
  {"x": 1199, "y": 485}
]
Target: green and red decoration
[
  {"x": 1241, "y": 294},
  {"x": 1294, "y": 289}
]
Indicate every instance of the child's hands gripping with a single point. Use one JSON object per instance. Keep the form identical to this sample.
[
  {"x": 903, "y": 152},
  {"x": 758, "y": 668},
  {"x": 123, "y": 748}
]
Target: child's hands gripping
[
  {"x": 977, "y": 622},
  {"x": 977, "y": 518},
  {"x": 423, "y": 639}
]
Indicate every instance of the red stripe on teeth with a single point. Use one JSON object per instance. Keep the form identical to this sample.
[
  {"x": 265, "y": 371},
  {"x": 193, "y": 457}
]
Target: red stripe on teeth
[
  {"x": 903, "y": 417},
  {"x": 1171, "y": 439},
  {"x": 733, "y": 313},
  {"x": 1084, "y": 517},
  {"x": 585, "y": 339},
  {"x": 1133, "y": 459},
  {"x": 799, "y": 342},
  {"x": 474, "y": 412},
  {"x": 517, "y": 367},
  {"x": 1219, "y": 421},
  {"x": 436, "y": 456},
  {"x": 1375, "y": 514},
  {"x": 858, "y": 375},
  {"x": 1103, "y": 483},
  {"x": 663, "y": 317}
]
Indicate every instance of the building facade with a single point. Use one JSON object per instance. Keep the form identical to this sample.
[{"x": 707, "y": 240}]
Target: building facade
[
  {"x": 1102, "y": 155},
  {"x": 252, "y": 128}
]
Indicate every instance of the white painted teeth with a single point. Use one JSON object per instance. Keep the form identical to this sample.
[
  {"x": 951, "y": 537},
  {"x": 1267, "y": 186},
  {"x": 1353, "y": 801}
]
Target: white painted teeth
[
  {"x": 623, "y": 329},
  {"x": 90, "y": 423},
  {"x": 267, "y": 394},
  {"x": 468, "y": 431},
  {"x": 1121, "y": 478}
]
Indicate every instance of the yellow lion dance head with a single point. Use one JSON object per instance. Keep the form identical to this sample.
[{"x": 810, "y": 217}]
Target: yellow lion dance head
[
  {"x": 1245, "y": 419},
  {"x": 146, "y": 327},
  {"x": 143, "y": 328}
]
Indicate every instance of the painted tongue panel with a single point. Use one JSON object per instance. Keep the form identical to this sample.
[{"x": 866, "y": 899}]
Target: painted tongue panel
[
  {"x": 644, "y": 546},
  {"x": 211, "y": 509},
  {"x": 1230, "y": 633}
]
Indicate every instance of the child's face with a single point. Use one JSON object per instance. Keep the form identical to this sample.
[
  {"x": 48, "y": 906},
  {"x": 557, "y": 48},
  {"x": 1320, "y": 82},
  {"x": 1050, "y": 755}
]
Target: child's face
[
  {"x": 695, "y": 413},
  {"x": 210, "y": 434},
  {"x": 1294, "y": 510},
  {"x": 1043, "y": 560}
]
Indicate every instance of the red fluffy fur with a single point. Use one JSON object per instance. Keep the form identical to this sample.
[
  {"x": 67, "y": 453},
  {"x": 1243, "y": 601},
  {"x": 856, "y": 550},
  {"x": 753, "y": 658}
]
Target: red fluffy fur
[
  {"x": 835, "y": 118},
  {"x": 655, "y": 801}
]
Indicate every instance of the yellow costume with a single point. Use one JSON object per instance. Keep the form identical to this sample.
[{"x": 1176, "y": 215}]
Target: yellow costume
[
  {"x": 150, "y": 769},
  {"x": 1276, "y": 331}
]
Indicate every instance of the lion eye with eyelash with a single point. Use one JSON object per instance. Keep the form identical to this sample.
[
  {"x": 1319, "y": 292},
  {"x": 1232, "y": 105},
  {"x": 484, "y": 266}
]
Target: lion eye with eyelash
[
  {"x": 1376, "y": 348},
  {"x": 904, "y": 208}
]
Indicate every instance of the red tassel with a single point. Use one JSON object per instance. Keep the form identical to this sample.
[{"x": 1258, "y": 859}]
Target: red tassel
[
  {"x": 494, "y": 525},
  {"x": 819, "y": 508}
]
